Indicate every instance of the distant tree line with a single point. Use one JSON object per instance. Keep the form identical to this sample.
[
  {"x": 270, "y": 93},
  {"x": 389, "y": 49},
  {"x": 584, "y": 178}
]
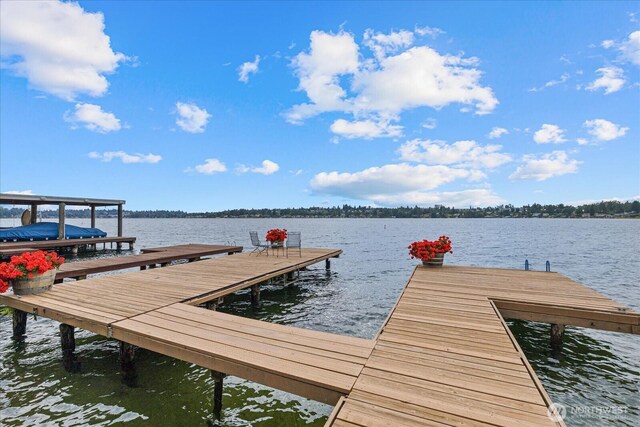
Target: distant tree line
[{"x": 596, "y": 210}]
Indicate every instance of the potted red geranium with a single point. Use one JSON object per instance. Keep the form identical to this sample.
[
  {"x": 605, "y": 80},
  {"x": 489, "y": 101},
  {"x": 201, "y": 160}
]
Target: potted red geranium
[
  {"x": 276, "y": 236},
  {"x": 30, "y": 272},
  {"x": 431, "y": 253}
]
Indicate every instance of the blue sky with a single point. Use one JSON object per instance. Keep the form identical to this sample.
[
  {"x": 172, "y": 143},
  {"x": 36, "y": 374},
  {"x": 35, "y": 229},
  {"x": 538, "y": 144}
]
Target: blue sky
[{"x": 210, "y": 106}]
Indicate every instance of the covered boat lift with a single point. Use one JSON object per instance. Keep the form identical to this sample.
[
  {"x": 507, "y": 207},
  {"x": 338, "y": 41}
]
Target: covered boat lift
[{"x": 34, "y": 201}]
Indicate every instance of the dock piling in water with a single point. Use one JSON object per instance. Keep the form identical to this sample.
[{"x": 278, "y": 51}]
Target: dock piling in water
[
  {"x": 19, "y": 324},
  {"x": 255, "y": 295},
  {"x": 218, "y": 381},
  {"x": 127, "y": 364},
  {"x": 68, "y": 342},
  {"x": 557, "y": 337}
]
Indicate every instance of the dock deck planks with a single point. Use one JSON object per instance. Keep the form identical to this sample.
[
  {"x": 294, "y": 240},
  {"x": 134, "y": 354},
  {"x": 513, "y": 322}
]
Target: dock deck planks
[
  {"x": 93, "y": 304},
  {"x": 13, "y": 248},
  {"x": 158, "y": 256},
  {"x": 316, "y": 365},
  {"x": 445, "y": 356}
]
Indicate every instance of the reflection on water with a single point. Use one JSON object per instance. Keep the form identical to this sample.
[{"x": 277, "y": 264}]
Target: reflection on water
[{"x": 596, "y": 369}]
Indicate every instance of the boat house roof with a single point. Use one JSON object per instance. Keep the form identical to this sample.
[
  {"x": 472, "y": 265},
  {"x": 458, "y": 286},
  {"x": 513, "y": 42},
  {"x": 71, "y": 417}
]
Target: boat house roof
[{"x": 29, "y": 199}]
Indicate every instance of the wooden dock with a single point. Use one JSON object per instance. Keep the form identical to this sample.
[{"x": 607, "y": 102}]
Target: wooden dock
[
  {"x": 157, "y": 257},
  {"x": 445, "y": 355},
  {"x": 95, "y": 304},
  {"x": 13, "y": 248}
]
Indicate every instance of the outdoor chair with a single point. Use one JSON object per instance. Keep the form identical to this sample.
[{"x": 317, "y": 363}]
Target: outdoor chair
[
  {"x": 294, "y": 240},
  {"x": 258, "y": 246}
]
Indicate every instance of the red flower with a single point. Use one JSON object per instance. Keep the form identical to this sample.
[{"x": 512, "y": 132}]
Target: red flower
[
  {"x": 426, "y": 249},
  {"x": 276, "y": 235},
  {"x": 26, "y": 265}
]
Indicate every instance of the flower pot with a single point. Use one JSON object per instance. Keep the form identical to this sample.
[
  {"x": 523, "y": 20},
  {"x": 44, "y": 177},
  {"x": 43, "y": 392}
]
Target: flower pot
[
  {"x": 35, "y": 285},
  {"x": 434, "y": 262},
  {"x": 277, "y": 243}
]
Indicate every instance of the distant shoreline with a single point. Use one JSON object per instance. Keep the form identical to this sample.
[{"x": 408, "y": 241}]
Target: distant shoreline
[{"x": 608, "y": 209}]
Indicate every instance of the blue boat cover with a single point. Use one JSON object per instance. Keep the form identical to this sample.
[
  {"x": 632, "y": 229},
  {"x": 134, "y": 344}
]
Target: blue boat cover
[{"x": 47, "y": 231}]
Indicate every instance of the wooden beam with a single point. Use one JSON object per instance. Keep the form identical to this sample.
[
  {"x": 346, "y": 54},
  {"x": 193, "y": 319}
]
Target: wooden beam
[
  {"x": 93, "y": 216},
  {"x": 572, "y": 321},
  {"x": 218, "y": 381},
  {"x": 119, "y": 220},
  {"x": 34, "y": 213},
  {"x": 19, "y": 324},
  {"x": 68, "y": 342},
  {"x": 557, "y": 338},
  {"x": 61, "y": 216},
  {"x": 127, "y": 364}
]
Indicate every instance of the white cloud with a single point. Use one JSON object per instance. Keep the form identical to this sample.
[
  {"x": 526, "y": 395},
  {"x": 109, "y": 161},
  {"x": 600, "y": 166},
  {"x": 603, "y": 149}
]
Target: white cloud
[
  {"x": 58, "y": 47},
  {"x": 93, "y": 118},
  {"x": 404, "y": 184},
  {"x": 611, "y": 80},
  {"x": 429, "y": 123},
  {"x": 630, "y": 48},
  {"x": 383, "y": 44},
  {"x": 268, "y": 168},
  {"x": 497, "y": 132},
  {"x": 191, "y": 118},
  {"x": 336, "y": 77},
  {"x": 329, "y": 57},
  {"x": 563, "y": 78},
  {"x": 459, "y": 153},
  {"x": 366, "y": 129},
  {"x": 432, "y": 32},
  {"x": 607, "y": 44},
  {"x": 421, "y": 77},
  {"x": 475, "y": 197},
  {"x": 582, "y": 141},
  {"x": 389, "y": 180},
  {"x": 609, "y": 199},
  {"x": 549, "y": 134},
  {"x": 604, "y": 130},
  {"x": 209, "y": 167},
  {"x": 545, "y": 166},
  {"x": 248, "y": 68},
  {"x": 107, "y": 156}
]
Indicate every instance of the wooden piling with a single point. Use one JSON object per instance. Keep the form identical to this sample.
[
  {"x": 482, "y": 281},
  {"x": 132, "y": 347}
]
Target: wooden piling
[
  {"x": 218, "y": 381},
  {"x": 93, "y": 216},
  {"x": 327, "y": 264},
  {"x": 213, "y": 304},
  {"x": 68, "y": 342},
  {"x": 557, "y": 337},
  {"x": 61, "y": 230},
  {"x": 255, "y": 294},
  {"x": 127, "y": 364},
  {"x": 19, "y": 324}
]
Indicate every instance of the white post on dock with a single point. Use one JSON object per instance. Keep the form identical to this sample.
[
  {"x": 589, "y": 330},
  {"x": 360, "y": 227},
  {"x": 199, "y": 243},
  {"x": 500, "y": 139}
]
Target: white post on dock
[{"x": 61, "y": 215}]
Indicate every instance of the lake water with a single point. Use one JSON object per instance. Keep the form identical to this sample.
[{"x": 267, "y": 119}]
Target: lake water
[{"x": 597, "y": 377}]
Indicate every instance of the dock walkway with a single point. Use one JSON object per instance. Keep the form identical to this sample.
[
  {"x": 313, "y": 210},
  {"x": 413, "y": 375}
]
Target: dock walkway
[
  {"x": 445, "y": 355},
  {"x": 316, "y": 365},
  {"x": 158, "y": 256},
  {"x": 13, "y": 248},
  {"x": 96, "y": 303}
]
